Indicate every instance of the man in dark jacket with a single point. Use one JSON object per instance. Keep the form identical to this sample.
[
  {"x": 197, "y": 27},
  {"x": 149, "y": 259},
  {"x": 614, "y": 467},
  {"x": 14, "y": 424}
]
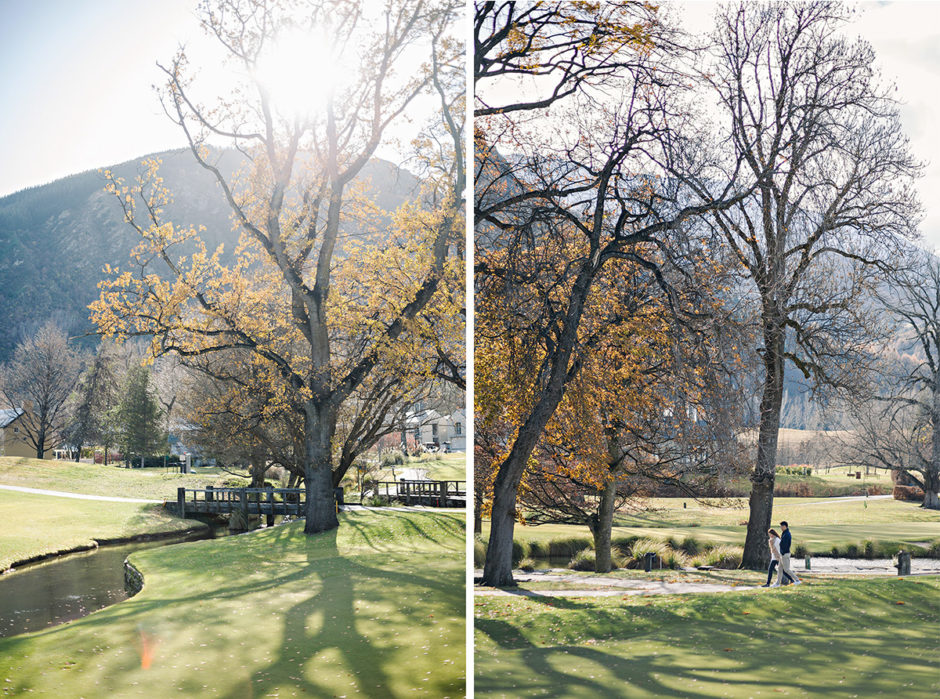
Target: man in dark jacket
[{"x": 785, "y": 557}]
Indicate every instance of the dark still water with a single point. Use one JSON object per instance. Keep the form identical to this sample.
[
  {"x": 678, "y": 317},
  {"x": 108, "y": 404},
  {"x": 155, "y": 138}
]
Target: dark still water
[{"x": 46, "y": 594}]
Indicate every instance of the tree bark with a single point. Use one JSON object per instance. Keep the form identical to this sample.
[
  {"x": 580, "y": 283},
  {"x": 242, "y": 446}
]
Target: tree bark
[
  {"x": 319, "y": 426},
  {"x": 497, "y": 572},
  {"x": 932, "y": 472},
  {"x": 601, "y": 526},
  {"x": 761, "y": 502}
]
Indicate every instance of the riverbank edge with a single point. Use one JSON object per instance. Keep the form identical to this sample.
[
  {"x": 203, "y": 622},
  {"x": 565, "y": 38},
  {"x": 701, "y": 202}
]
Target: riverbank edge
[
  {"x": 133, "y": 579},
  {"x": 196, "y": 528}
]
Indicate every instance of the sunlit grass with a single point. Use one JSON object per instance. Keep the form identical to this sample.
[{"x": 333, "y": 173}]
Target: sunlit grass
[
  {"x": 373, "y": 608},
  {"x": 97, "y": 479},
  {"x": 36, "y": 525}
]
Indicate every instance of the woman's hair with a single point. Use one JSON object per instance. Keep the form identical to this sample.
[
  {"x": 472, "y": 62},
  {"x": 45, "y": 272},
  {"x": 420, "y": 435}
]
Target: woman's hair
[{"x": 772, "y": 532}]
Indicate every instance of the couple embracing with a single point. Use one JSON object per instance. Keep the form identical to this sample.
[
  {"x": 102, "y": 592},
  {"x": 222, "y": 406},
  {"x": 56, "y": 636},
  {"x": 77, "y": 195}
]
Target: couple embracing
[{"x": 780, "y": 554}]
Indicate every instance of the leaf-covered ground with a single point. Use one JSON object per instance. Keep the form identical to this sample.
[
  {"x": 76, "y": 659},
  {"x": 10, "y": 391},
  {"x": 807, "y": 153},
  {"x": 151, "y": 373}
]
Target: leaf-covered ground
[
  {"x": 832, "y": 638},
  {"x": 375, "y": 608}
]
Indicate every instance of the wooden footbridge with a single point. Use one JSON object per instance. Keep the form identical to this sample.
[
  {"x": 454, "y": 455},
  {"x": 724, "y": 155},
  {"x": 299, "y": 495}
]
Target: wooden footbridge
[{"x": 292, "y": 501}]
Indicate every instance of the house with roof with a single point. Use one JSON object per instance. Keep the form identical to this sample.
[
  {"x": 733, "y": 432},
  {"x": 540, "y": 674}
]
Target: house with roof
[{"x": 13, "y": 440}]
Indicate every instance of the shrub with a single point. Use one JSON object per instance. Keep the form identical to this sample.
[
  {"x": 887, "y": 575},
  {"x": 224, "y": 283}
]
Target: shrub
[
  {"x": 391, "y": 457},
  {"x": 933, "y": 551},
  {"x": 479, "y": 553},
  {"x": 539, "y": 549},
  {"x": 674, "y": 559},
  {"x": 851, "y": 550},
  {"x": 800, "y": 551},
  {"x": 582, "y": 560},
  {"x": 910, "y": 493},
  {"x": 641, "y": 547},
  {"x": 376, "y": 501},
  {"x": 567, "y": 548},
  {"x": 623, "y": 544},
  {"x": 722, "y": 556},
  {"x": 690, "y": 546},
  {"x": 619, "y": 559},
  {"x": 527, "y": 565},
  {"x": 519, "y": 551}
]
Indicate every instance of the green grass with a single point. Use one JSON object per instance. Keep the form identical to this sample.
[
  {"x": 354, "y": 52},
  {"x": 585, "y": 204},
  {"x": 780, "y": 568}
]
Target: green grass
[
  {"x": 375, "y": 608},
  {"x": 669, "y": 512},
  {"x": 36, "y": 525},
  {"x": 818, "y": 527},
  {"x": 817, "y": 538},
  {"x": 96, "y": 479},
  {"x": 845, "y": 638}
]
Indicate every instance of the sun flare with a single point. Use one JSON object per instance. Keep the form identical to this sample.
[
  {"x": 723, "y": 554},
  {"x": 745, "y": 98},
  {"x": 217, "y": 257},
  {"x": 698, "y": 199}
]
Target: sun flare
[{"x": 300, "y": 71}]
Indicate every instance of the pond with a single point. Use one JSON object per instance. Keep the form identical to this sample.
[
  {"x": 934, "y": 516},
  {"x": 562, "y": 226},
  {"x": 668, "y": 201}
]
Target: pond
[{"x": 54, "y": 592}]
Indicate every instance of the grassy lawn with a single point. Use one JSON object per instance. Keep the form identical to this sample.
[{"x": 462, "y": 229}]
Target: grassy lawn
[
  {"x": 669, "y": 512},
  {"x": 819, "y": 527},
  {"x": 39, "y": 524},
  {"x": 95, "y": 479},
  {"x": 375, "y": 608},
  {"x": 845, "y": 638}
]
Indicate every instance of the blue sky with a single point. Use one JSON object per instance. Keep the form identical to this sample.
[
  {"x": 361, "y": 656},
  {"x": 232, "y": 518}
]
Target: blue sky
[{"x": 75, "y": 91}]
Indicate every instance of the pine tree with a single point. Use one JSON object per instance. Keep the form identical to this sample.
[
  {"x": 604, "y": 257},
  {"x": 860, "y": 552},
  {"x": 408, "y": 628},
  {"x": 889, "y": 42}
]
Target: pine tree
[{"x": 139, "y": 418}]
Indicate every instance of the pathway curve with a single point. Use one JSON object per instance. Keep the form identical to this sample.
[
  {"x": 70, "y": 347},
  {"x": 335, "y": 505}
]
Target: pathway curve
[{"x": 77, "y": 496}]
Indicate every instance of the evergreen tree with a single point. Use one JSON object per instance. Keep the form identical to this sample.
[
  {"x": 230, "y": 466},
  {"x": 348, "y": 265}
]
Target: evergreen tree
[{"x": 139, "y": 417}]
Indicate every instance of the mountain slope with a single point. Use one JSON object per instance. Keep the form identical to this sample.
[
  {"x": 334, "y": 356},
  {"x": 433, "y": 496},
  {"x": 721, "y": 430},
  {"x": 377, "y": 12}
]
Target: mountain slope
[{"x": 55, "y": 238}]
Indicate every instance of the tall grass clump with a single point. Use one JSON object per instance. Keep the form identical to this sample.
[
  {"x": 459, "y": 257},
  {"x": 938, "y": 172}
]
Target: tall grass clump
[
  {"x": 391, "y": 457},
  {"x": 582, "y": 560},
  {"x": 690, "y": 546},
  {"x": 479, "y": 553},
  {"x": 568, "y": 547},
  {"x": 722, "y": 556},
  {"x": 641, "y": 547},
  {"x": 526, "y": 565}
]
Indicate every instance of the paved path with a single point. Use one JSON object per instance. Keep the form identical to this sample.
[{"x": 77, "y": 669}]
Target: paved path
[
  {"x": 848, "y": 498},
  {"x": 76, "y": 496}
]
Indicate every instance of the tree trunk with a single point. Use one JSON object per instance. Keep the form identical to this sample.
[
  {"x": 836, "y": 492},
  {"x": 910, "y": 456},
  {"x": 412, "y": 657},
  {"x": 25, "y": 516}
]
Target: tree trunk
[
  {"x": 319, "y": 426},
  {"x": 932, "y": 472},
  {"x": 258, "y": 467},
  {"x": 601, "y": 525},
  {"x": 497, "y": 572},
  {"x": 756, "y": 554}
]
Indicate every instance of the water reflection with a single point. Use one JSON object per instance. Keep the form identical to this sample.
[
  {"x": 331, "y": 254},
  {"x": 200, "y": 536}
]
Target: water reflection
[{"x": 52, "y": 593}]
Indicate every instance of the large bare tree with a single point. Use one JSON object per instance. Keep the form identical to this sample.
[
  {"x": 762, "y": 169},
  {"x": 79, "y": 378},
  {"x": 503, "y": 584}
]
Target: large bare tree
[
  {"x": 897, "y": 424},
  {"x": 567, "y": 179},
  {"x": 39, "y": 380},
  {"x": 318, "y": 305},
  {"x": 833, "y": 198}
]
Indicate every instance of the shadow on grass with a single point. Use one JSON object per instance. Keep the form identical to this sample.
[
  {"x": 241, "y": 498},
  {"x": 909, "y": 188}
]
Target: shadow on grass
[
  {"x": 844, "y": 641},
  {"x": 323, "y": 628}
]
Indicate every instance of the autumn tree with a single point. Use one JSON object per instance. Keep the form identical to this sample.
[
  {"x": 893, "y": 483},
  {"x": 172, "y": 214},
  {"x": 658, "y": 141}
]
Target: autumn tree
[
  {"x": 562, "y": 189},
  {"x": 319, "y": 297},
  {"x": 637, "y": 416},
  {"x": 832, "y": 198},
  {"x": 39, "y": 380}
]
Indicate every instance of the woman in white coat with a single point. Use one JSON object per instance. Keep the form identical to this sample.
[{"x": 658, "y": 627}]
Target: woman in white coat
[{"x": 773, "y": 541}]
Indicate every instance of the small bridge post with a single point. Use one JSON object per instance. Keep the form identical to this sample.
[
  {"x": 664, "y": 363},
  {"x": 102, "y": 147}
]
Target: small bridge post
[{"x": 181, "y": 502}]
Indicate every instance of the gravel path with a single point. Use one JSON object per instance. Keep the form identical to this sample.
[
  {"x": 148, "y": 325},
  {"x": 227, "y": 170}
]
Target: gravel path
[{"x": 76, "y": 496}]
